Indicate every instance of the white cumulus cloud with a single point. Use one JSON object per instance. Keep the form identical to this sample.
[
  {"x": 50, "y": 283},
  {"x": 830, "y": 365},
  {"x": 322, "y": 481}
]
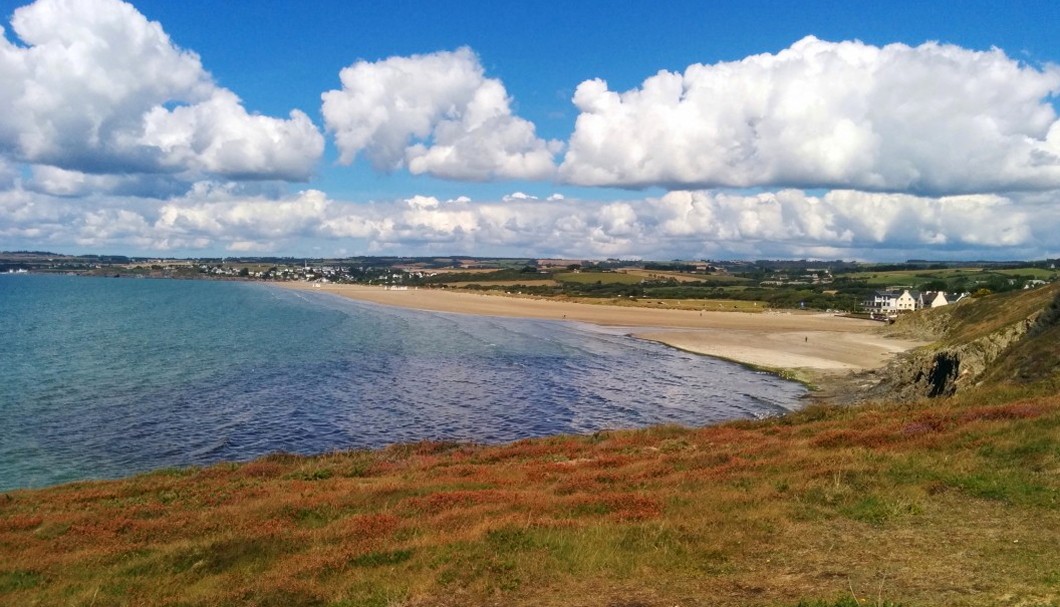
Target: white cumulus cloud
[
  {"x": 845, "y": 219},
  {"x": 932, "y": 119},
  {"x": 97, "y": 88},
  {"x": 518, "y": 196},
  {"x": 436, "y": 114},
  {"x": 680, "y": 224},
  {"x": 234, "y": 218}
]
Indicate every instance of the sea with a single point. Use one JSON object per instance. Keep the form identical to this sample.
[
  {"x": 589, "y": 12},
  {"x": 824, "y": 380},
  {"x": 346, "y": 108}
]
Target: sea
[{"x": 104, "y": 377}]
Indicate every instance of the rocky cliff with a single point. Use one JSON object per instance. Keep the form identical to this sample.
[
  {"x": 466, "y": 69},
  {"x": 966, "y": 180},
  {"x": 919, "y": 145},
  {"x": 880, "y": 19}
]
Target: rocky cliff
[
  {"x": 1009, "y": 338},
  {"x": 942, "y": 371}
]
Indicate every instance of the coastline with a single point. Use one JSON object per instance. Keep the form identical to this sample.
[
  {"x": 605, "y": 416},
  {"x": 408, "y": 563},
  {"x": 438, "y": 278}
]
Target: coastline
[{"x": 816, "y": 349}]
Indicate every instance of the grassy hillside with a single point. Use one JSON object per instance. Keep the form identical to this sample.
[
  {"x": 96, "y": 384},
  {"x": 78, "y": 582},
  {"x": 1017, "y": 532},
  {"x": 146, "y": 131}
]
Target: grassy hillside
[
  {"x": 995, "y": 311},
  {"x": 1036, "y": 358},
  {"x": 950, "y": 501},
  {"x": 974, "y": 318}
]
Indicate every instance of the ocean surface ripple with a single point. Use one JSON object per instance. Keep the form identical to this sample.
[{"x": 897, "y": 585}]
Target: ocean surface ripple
[{"x": 101, "y": 378}]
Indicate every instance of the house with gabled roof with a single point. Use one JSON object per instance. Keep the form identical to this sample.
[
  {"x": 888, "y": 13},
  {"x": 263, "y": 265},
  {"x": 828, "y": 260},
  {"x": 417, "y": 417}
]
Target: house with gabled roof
[
  {"x": 893, "y": 301},
  {"x": 935, "y": 299}
]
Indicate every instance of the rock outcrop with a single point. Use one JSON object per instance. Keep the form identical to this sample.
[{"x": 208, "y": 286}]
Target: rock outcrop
[{"x": 936, "y": 371}]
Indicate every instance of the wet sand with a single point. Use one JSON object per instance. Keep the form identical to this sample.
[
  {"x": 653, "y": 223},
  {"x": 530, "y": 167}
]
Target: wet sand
[{"x": 813, "y": 345}]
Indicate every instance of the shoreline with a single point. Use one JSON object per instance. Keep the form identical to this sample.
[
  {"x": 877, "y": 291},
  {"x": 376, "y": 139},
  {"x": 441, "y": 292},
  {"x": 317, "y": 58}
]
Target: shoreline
[{"x": 819, "y": 350}]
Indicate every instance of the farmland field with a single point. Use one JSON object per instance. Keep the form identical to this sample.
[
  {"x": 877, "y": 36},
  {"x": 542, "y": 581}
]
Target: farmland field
[
  {"x": 917, "y": 277},
  {"x": 599, "y": 277},
  {"x": 683, "y": 277}
]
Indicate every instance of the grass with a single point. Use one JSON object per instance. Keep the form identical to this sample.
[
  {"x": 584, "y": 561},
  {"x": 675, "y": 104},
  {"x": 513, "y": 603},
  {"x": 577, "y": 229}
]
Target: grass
[
  {"x": 599, "y": 277},
  {"x": 916, "y": 277},
  {"x": 995, "y": 311},
  {"x": 685, "y": 277},
  {"x": 976, "y": 318},
  {"x": 954, "y": 502}
]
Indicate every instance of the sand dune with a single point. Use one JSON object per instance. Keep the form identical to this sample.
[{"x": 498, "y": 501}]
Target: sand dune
[{"x": 816, "y": 342}]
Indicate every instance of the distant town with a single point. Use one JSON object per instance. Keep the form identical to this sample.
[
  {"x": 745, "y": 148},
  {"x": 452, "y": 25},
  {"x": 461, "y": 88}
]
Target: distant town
[{"x": 881, "y": 291}]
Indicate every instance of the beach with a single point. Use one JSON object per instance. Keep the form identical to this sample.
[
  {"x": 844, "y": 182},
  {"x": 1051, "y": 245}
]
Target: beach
[{"x": 814, "y": 346}]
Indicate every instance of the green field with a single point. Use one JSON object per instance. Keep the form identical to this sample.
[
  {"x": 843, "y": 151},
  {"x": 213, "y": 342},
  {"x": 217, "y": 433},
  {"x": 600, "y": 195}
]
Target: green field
[
  {"x": 1036, "y": 273},
  {"x": 911, "y": 277},
  {"x": 589, "y": 278},
  {"x": 718, "y": 279},
  {"x": 915, "y": 278}
]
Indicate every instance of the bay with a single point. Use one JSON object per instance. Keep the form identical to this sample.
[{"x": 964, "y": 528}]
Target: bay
[{"x": 102, "y": 378}]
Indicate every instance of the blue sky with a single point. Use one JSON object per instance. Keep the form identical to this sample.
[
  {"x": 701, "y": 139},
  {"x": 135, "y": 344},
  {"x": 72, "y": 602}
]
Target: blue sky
[{"x": 847, "y": 144}]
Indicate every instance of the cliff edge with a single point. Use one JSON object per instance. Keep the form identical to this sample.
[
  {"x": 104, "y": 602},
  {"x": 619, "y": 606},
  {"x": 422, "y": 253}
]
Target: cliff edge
[{"x": 1008, "y": 338}]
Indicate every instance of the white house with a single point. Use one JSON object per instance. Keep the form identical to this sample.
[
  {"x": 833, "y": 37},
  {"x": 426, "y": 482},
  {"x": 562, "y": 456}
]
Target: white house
[
  {"x": 935, "y": 299},
  {"x": 909, "y": 301},
  {"x": 893, "y": 301},
  {"x": 881, "y": 302}
]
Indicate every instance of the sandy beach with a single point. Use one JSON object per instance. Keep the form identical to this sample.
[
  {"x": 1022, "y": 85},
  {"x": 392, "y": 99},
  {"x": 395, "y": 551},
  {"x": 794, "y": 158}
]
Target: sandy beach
[{"x": 815, "y": 344}]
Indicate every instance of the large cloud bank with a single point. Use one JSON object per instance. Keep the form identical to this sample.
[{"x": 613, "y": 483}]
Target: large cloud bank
[
  {"x": 436, "y": 114},
  {"x": 97, "y": 88},
  {"x": 685, "y": 224},
  {"x": 936, "y": 119}
]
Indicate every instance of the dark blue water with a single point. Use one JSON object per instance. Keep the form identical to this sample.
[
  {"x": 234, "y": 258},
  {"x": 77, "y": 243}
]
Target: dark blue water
[{"x": 100, "y": 378}]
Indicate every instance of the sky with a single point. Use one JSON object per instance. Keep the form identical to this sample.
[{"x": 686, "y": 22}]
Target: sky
[{"x": 584, "y": 130}]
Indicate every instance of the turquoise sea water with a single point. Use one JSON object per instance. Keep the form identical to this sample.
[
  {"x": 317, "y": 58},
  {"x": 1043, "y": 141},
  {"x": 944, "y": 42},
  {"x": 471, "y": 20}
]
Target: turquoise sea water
[{"x": 101, "y": 378}]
